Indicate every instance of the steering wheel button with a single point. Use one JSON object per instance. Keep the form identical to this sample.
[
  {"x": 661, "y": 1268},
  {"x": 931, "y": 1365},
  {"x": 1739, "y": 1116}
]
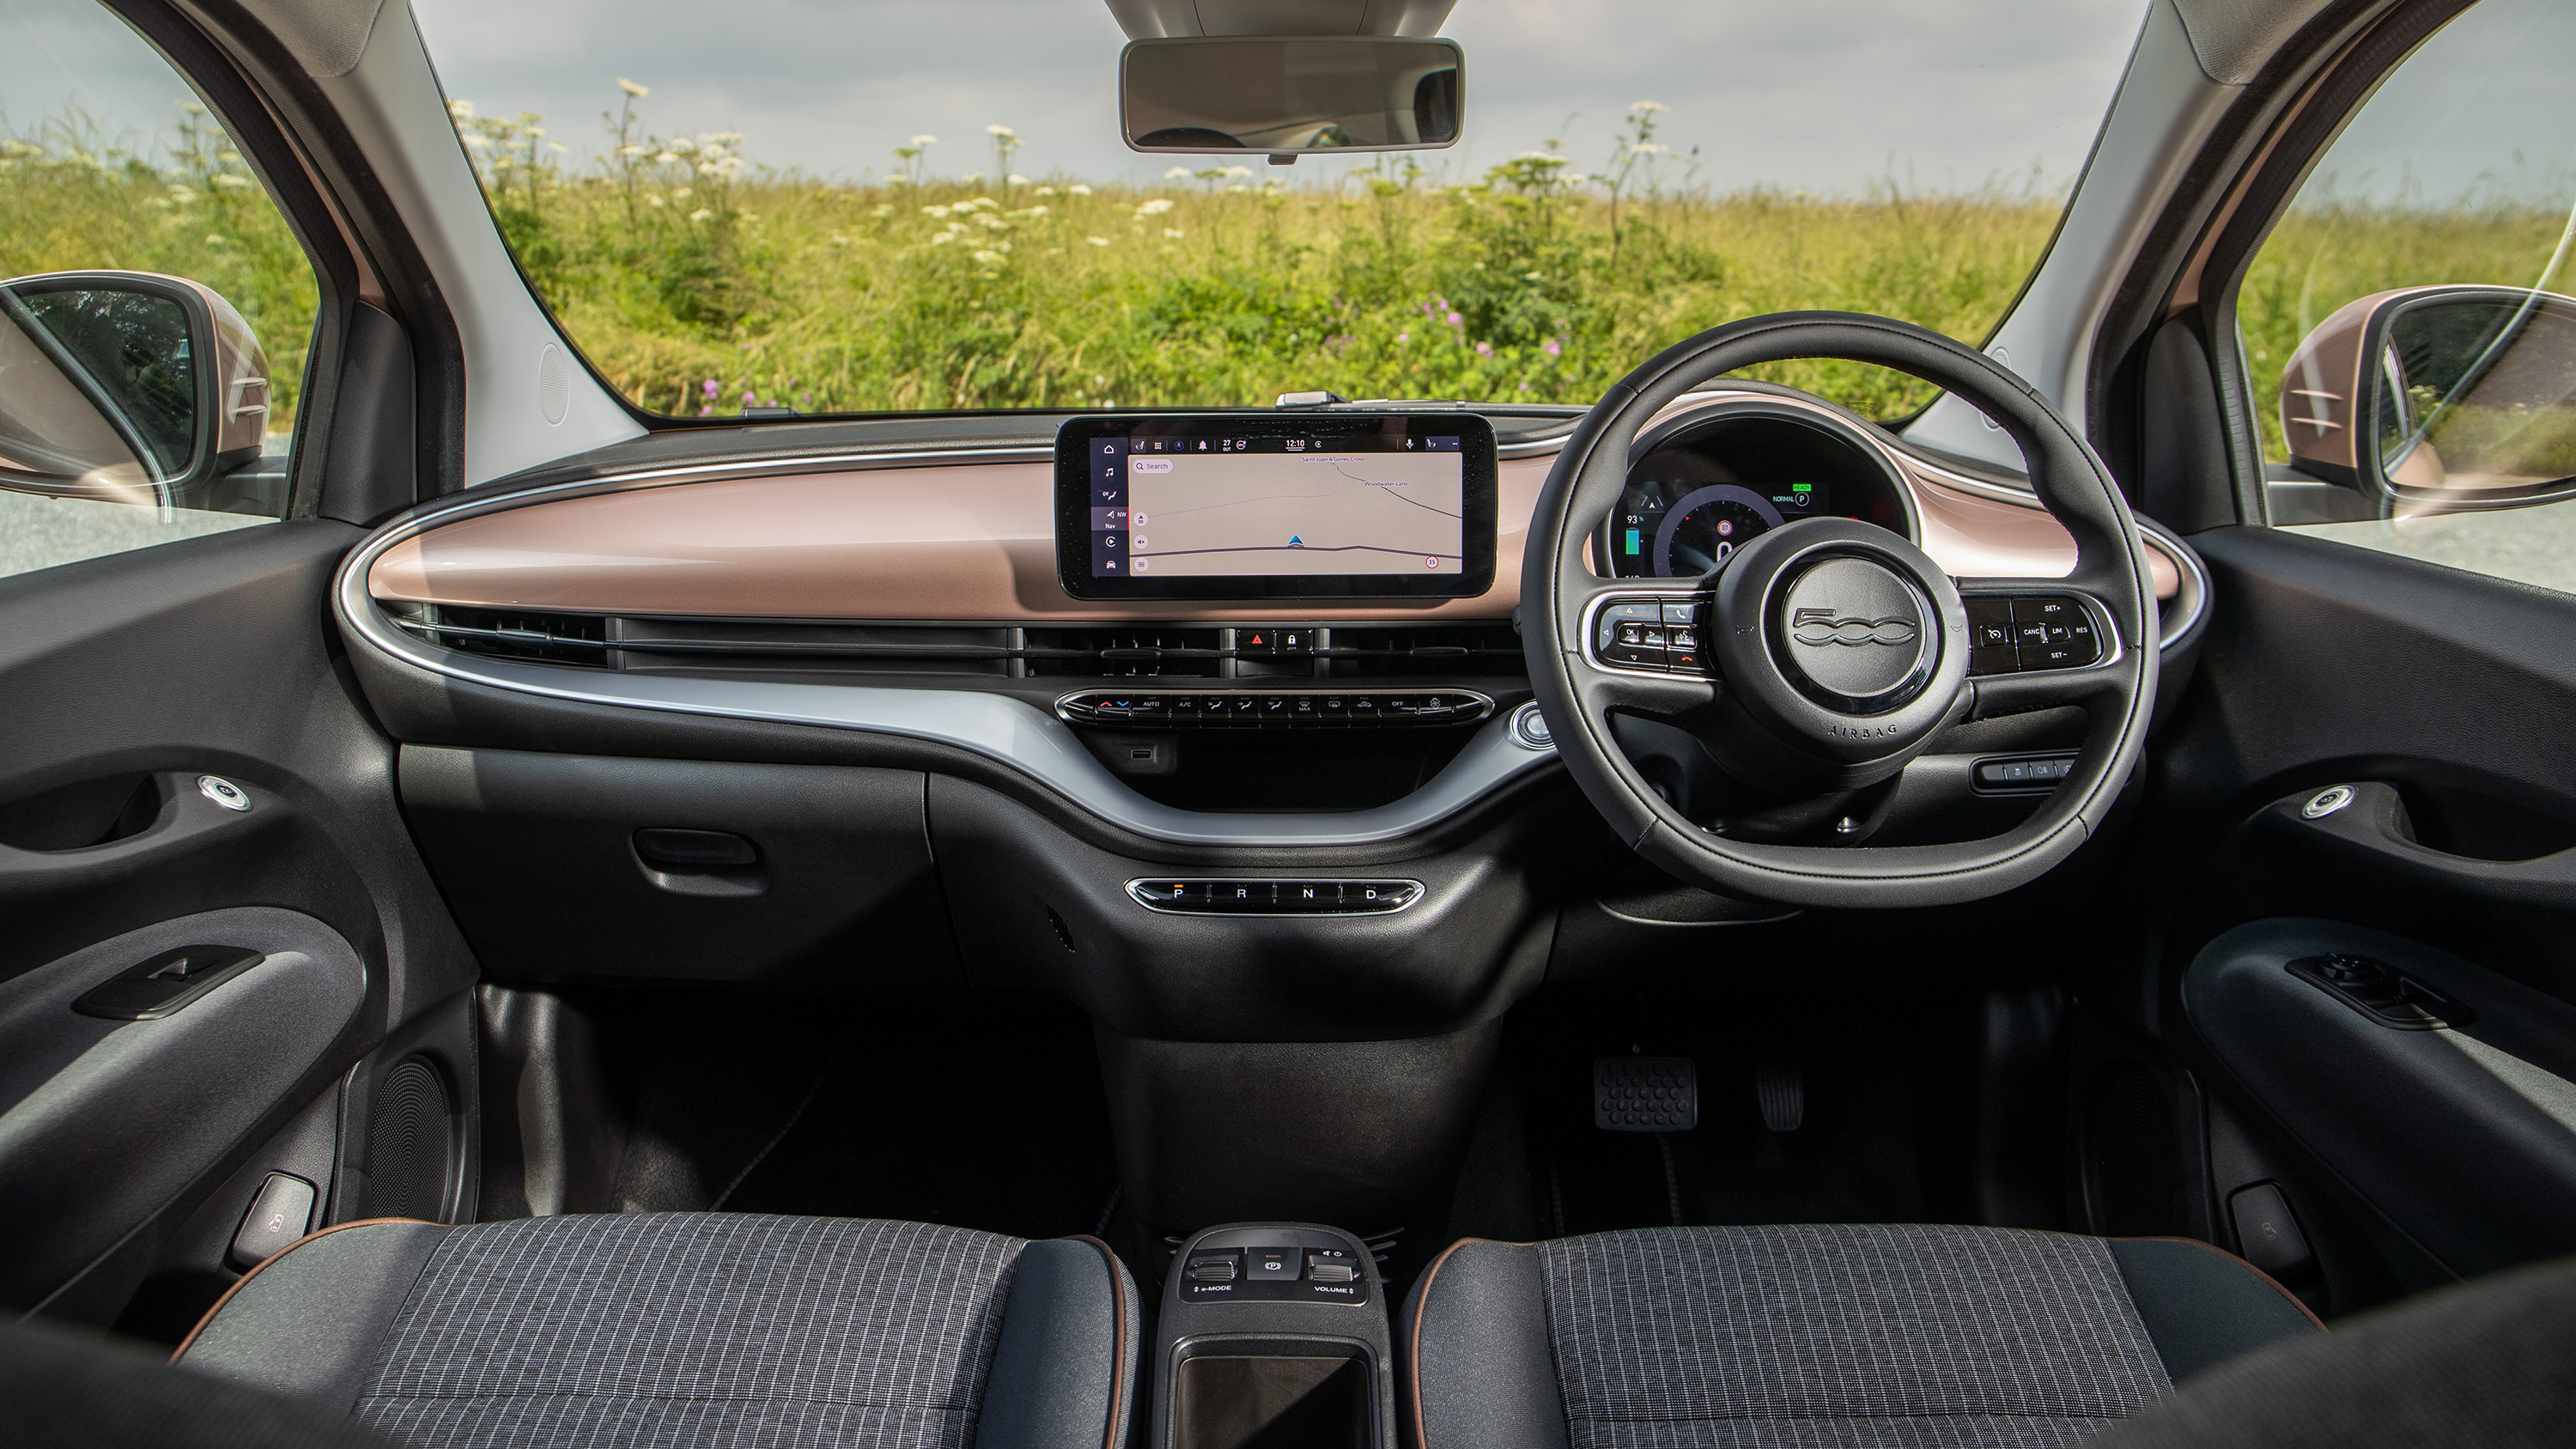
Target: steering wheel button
[
  {"x": 1996, "y": 635},
  {"x": 2043, "y": 610},
  {"x": 2002, "y": 660},
  {"x": 1682, "y": 613}
]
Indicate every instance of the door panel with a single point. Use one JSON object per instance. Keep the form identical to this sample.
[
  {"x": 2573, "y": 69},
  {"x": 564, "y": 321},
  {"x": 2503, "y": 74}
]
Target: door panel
[
  {"x": 127, "y": 679},
  {"x": 2445, "y": 703}
]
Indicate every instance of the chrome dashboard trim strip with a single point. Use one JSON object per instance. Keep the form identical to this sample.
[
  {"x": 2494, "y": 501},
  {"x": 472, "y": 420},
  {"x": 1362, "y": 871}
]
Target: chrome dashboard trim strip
[
  {"x": 1009, "y": 731},
  {"x": 1320, "y": 689}
]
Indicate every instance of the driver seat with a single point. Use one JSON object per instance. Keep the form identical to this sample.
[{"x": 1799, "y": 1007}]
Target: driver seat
[{"x": 1818, "y": 1336}]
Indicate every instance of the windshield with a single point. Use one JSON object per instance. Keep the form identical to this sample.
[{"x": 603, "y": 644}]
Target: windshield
[{"x": 875, "y": 207}]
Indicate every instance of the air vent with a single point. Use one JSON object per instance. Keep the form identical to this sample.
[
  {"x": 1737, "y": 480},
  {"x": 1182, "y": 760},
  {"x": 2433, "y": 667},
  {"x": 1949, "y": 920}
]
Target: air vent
[
  {"x": 1125, "y": 653},
  {"x": 510, "y": 634},
  {"x": 770, "y": 646},
  {"x": 1414, "y": 651}
]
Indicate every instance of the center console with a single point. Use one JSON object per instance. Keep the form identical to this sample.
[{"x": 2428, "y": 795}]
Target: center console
[{"x": 1273, "y": 1336}]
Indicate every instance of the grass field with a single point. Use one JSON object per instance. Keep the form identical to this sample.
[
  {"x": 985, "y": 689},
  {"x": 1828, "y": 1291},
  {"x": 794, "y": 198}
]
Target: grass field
[{"x": 700, "y": 282}]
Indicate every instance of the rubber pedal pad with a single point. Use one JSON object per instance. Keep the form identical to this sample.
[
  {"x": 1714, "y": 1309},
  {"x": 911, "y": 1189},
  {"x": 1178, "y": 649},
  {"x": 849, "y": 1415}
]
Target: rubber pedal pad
[{"x": 1645, "y": 1094}]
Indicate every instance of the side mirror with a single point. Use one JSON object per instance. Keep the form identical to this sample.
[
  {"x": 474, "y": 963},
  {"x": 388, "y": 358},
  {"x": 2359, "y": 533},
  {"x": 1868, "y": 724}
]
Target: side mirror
[
  {"x": 1292, "y": 95},
  {"x": 2439, "y": 399},
  {"x": 129, "y": 387}
]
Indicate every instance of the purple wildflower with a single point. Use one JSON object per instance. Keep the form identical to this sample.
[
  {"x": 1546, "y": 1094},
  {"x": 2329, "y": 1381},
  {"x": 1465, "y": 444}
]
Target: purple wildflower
[
  {"x": 1484, "y": 349},
  {"x": 1553, "y": 350},
  {"x": 1404, "y": 337},
  {"x": 710, "y": 386},
  {"x": 1457, "y": 319}
]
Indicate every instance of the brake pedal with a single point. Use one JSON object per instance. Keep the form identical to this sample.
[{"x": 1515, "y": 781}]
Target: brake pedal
[
  {"x": 1783, "y": 1093},
  {"x": 1645, "y": 1094}
]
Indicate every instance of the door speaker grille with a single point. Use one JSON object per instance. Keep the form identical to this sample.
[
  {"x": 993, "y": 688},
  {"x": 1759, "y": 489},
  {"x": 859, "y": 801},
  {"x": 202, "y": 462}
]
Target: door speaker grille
[{"x": 411, "y": 1144}]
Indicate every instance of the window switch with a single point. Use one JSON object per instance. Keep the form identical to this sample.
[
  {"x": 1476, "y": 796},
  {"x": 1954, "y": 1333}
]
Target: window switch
[{"x": 278, "y": 1216}]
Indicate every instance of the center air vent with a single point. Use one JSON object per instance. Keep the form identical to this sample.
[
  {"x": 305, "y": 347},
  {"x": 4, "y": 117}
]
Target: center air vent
[
  {"x": 1098, "y": 653},
  {"x": 790, "y": 647}
]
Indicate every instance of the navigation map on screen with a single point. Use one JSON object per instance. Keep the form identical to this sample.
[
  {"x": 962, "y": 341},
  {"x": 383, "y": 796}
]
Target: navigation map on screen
[{"x": 1200, "y": 507}]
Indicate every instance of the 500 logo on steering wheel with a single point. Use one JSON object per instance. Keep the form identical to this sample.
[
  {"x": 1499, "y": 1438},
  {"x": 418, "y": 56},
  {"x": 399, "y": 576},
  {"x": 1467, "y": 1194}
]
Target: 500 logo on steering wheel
[{"x": 1816, "y": 627}]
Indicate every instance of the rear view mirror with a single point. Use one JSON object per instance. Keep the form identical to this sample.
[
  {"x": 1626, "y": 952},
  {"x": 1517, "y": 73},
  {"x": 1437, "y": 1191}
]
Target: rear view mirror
[
  {"x": 2439, "y": 399},
  {"x": 126, "y": 387},
  {"x": 1290, "y": 96}
]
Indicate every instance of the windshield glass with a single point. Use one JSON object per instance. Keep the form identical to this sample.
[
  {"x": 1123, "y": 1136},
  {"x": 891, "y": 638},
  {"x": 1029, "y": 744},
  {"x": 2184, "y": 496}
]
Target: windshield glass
[{"x": 857, "y": 208}]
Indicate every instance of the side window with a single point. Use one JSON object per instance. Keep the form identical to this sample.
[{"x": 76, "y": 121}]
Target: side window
[
  {"x": 154, "y": 308},
  {"x": 2410, "y": 324}
]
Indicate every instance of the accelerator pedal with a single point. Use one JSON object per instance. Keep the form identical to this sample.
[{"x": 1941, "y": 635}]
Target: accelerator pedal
[
  {"x": 1645, "y": 1094},
  {"x": 1783, "y": 1093}
]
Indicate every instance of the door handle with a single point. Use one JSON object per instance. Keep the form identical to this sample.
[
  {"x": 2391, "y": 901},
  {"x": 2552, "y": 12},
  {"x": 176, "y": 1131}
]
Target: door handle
[{"x": 2366, "y": 821}]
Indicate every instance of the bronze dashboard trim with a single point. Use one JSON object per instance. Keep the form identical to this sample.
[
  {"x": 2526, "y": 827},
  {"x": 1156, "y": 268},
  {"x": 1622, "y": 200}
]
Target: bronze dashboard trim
[{"x": 969, "y": 534}]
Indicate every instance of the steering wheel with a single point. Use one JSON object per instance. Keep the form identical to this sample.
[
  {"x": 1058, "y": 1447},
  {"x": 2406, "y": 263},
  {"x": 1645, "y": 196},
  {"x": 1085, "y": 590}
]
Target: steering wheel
[{"x": 1834, "y": 651}]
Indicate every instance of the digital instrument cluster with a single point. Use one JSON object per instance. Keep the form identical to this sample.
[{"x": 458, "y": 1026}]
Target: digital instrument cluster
[{"x": 1700, "y": 489}]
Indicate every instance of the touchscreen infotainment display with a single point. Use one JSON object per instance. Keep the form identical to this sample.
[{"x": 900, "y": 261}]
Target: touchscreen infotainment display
[{"x": 1337, "y": 505}]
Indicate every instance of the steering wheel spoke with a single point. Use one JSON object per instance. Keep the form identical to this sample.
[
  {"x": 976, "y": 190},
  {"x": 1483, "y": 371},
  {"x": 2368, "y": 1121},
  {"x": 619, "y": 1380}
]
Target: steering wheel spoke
[
  {"x": 1638, "y": 649},
  {"x": 2039, "y": 643}
]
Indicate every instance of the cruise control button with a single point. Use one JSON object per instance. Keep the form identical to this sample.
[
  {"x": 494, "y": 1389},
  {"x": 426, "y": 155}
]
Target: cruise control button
[
  {"x": 1997, "y": 635},
  {"x": 2047, "y": 656},
  {"x": 2030, "y": 635},
  {"x": 2045, "y": 609}
]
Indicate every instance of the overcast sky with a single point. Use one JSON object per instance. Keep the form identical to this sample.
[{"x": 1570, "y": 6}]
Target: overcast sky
[
  {"x": 1822, "y": 95},
  {"x": 1819, "y": 95}
]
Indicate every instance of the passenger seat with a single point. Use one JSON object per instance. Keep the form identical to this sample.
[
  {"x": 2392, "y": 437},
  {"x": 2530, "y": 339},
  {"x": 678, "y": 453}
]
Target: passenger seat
[{"x": 689, "y": 1328}]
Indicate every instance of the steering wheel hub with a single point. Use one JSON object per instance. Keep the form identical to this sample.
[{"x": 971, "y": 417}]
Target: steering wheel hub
[{"x": 1854, "y": 636}]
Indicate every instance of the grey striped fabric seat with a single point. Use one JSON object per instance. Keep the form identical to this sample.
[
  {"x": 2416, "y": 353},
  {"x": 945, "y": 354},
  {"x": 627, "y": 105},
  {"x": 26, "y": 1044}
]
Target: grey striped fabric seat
[
  {"x": 1864, "y": 1337},
  {"x": 689, "y": 1329}
]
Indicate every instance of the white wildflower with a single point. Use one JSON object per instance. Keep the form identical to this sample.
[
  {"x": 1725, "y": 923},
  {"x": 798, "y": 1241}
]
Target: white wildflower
[
  {"x": 557, "y": 147},
  {"x": 883, "y": 211},
  {"x": 1155, "y": 207},
  {"x": 1002, "y": 131},
  {"x": 461, "y": 110},
  {"x": 1098, "y": 241},
  {"x": 479, "y": 143},
  {"x": 191, "y": 108},
  {"x": 941, "y": 239},
  {"x": 1238, "y": 171},
  {"x": 1077, "y": 189},
  {"x": 632, "y": 89},
  {"x": 1044, "y": 191},
  {"x": 988, "y": 258},
  {"x": 653, "y": 200},
  {"x": 1177, "y": 173},
  {"x": 682, "y": 193},
  {"x": 925, "y": 140},
  {"x": 630, "y": 151},
  {"x": 681, "y": 144},
  {"x": 1172, "y": 233},
  {"x": 1238, "y": 191},
  {"x": 724, "y": 138},
  {"x": 935, "y": 211},
  {"x": 701, "y": 214},
  {"x": 231, "y": 182},
  {"x": 1015, "y": 179},
  {"x": 1647, "y": 108}
]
